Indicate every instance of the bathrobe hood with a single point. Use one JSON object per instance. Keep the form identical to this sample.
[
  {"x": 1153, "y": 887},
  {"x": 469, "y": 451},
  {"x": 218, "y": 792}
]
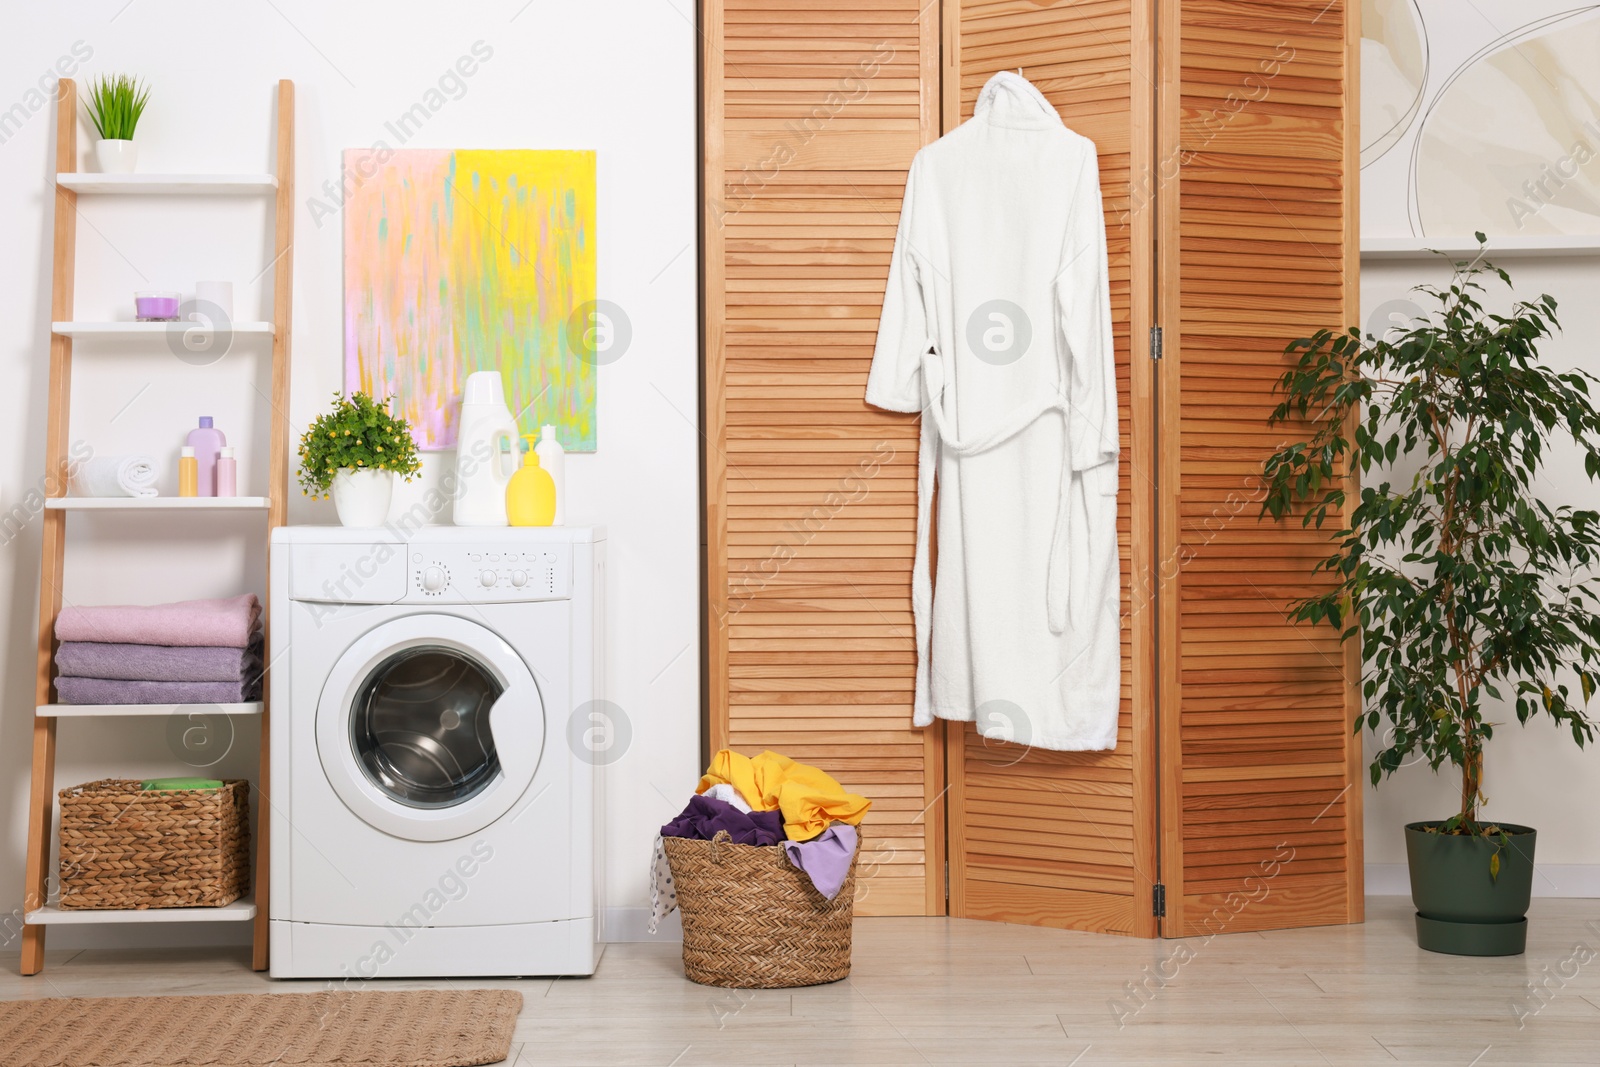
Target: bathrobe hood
[{"x": 1010, "y": 99}]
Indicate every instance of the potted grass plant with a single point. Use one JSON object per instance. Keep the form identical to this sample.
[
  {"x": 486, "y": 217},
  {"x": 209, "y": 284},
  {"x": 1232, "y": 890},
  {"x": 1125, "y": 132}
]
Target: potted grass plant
[
  {"x": 115, "y": 104},
  {"x": 353, "y": 453},
  {"x": 1472, "y": 597}
]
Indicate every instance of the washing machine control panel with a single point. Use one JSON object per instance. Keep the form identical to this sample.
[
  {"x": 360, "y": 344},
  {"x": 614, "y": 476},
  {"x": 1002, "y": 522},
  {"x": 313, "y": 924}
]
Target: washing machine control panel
[{"x": 490, "y": 573}]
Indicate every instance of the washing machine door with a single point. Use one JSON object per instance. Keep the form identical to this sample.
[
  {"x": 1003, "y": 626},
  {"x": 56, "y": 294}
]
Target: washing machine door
[{"x": 430, "y": 727}]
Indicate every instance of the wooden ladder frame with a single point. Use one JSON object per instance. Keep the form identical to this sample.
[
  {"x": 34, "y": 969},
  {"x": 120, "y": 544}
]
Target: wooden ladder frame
[{"x": 41, "y": 806}]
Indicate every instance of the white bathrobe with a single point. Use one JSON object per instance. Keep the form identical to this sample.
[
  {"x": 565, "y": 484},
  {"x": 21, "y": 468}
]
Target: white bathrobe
[{"x": 997, "y": 327}]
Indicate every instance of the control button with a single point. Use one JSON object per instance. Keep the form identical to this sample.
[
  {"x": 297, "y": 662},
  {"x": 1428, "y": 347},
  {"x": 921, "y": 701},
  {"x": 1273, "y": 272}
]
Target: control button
[
  {"x": 549, "y": 557},
  {"x": 416, "y": 557},
  {"x": 519, "y": 578},
  {"x": 434, "y": 579},
  {"x": 488, "y": 578},
  {"x": 474, "y": 557},
  {"x": 493, "y": 557}
]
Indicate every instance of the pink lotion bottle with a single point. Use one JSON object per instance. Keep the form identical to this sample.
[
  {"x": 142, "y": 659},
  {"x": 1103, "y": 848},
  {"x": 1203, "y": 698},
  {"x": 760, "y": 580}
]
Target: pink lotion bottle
[
  {"x": 227, "y": 472},
  {"x": 207, "y": 441}
]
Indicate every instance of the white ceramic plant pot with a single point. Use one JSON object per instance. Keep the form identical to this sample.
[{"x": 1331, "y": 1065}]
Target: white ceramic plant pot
[
  {"x": 362, "y": 497},
  {"x": 115, "y": 157}
]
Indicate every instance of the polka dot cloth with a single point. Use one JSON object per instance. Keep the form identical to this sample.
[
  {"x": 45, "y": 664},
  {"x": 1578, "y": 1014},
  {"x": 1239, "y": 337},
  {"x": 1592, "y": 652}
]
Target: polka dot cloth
[{"x": 663, "y": 894}]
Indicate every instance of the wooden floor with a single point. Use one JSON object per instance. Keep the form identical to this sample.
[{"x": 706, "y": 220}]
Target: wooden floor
[{"x": 937, "y": 991}]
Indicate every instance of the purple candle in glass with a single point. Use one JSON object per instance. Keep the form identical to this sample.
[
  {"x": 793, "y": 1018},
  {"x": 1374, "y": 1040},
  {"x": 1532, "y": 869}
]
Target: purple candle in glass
[{"x": 155, "y": 305}]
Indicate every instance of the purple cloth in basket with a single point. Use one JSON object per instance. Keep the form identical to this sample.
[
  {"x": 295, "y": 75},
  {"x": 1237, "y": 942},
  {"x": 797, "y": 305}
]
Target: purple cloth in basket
[
  {"x": 704, "y": 817},
  {"x": 159, "y": 663},
  {"x": 233, "y": 621},
  {"x": 70, "y": 690},
  {"x": 826, "y": 858}
]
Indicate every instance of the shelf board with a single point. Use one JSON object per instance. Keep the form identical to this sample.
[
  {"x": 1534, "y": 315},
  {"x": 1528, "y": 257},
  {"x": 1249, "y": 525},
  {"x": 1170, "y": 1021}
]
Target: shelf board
[
  {"x": 130, "y": 330},
  {"x": 1466, "y": 247},
  {"x": 157, "y": 503},
  {"x": 241, "y": 910},
  {"x": 168, "y": 184},
  {"x": 88, "y": 711}
]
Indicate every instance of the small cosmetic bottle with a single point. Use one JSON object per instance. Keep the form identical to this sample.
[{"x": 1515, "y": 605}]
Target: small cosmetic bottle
[
  {"x": 227, "y": 472},
  {"x": 206, "y": 439},
  {"x": 188, "y": 472}
]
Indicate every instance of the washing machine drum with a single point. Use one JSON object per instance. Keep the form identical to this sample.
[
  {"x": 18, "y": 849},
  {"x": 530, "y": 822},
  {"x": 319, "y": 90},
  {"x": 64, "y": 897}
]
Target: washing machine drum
[{"x": 430, "y": 727}]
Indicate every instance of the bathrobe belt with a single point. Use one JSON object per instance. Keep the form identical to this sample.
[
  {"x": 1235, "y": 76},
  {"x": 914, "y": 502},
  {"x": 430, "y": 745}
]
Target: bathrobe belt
[{"x": 1057, "y": 573}]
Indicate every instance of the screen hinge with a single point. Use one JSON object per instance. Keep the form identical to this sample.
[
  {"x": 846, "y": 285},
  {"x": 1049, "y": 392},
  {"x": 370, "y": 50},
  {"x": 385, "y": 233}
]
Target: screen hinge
[
  {"x": 1158, "y": 900},
  {"x": 1155, "y": 342}
]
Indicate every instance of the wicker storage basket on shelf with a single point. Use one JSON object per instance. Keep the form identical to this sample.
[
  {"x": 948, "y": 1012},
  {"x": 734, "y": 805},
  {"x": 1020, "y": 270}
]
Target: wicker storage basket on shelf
[
  {"x": 753, "y": 921},
  {"x": 123, "y": 847}
]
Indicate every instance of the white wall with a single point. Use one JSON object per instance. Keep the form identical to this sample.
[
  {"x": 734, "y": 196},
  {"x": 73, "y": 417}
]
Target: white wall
[
  {"x": 1535, "y": 775},
  {"x": 616, "y": 77}
]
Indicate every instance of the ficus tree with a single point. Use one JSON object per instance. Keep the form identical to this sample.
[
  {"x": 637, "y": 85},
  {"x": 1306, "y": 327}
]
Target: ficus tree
[{"x": 1468, "y": 592}]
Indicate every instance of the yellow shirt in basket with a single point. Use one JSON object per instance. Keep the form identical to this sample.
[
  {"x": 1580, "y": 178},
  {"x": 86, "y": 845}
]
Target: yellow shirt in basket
[{"x": 809, "y": 798}]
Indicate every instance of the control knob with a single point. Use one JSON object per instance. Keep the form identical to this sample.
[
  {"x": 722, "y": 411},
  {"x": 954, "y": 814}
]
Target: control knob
[{"x": 434, "y": 579}]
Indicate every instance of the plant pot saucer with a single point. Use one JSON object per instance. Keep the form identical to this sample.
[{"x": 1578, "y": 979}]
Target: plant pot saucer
[{"x": 1472, "y": 939}]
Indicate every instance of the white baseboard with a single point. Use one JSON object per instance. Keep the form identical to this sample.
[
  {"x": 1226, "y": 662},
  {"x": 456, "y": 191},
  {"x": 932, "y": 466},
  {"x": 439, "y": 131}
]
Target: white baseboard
[
  {"x": 1549, "y": 880},
  {"x": 621, "y": 924},
  {"x": 630, "y": 924}
]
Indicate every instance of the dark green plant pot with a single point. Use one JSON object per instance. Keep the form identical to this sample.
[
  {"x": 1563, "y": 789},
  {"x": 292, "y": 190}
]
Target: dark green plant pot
[{"x": 1461, "y": 909}]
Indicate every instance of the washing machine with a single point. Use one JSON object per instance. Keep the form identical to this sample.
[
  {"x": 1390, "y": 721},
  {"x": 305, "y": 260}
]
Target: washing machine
[{"x": 435, "y": 792}]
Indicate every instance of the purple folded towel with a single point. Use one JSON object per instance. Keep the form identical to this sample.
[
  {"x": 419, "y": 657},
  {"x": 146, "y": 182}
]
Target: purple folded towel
[
  {"x": 159, "y": 663},
  {"x": 231, "y": 622},
  {"x": 71, "y": 690}
]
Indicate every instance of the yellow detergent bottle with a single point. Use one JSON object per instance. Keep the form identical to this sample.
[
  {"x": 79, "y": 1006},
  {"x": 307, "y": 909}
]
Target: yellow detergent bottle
[{"x": 531, "y": 493}]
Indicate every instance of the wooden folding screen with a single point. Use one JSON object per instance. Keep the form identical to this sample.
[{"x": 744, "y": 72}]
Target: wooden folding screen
[
  {"x": 1068, "y": 838},
  {"x": 813, "y": 113},
  {"x": 1230, "y": 219},
  {"x": 1261, "y": 805}
]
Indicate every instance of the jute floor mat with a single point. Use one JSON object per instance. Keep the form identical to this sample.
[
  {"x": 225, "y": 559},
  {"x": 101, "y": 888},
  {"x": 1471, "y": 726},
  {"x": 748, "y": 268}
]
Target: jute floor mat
[{"x": 408, "y": 1028}]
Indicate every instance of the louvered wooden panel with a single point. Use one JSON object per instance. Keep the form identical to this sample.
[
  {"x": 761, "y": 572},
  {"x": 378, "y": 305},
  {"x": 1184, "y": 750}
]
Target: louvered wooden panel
[
  {"x": 1261, "y": 796},
  {"x": 812, "y": 116},
  {"x": 1068, "y": 838}
]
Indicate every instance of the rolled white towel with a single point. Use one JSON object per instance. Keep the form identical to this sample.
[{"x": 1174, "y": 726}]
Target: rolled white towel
[{"x": 115, "y": 476}]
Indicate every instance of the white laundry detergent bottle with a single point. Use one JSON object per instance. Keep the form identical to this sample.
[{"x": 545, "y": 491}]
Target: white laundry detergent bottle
[
  {"x": 485, "y": 451},
  {"x": 553, "y": 458}
]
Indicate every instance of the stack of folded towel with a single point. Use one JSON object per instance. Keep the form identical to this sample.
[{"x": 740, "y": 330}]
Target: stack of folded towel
[{"x": 192, "y": 652}]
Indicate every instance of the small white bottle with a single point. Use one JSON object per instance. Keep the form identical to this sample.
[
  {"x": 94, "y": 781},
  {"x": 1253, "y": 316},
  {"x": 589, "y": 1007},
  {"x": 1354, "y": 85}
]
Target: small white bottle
[{"x": 553, "y": 458}]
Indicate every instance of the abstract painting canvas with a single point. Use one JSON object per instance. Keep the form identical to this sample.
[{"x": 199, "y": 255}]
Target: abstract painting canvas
[{"x": 461, "y": 261}]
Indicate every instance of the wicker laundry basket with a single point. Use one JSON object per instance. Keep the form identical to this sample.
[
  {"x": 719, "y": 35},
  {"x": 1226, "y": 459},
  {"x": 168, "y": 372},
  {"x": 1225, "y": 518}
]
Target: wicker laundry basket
[
  {"x": 123, "y": 847},
  {"x": 753, "y": 921}
]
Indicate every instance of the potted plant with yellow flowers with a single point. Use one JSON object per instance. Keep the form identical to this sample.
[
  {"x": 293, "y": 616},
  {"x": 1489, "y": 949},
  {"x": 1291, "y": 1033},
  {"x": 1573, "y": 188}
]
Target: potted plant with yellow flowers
[{"x": 353, "y": 453}]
